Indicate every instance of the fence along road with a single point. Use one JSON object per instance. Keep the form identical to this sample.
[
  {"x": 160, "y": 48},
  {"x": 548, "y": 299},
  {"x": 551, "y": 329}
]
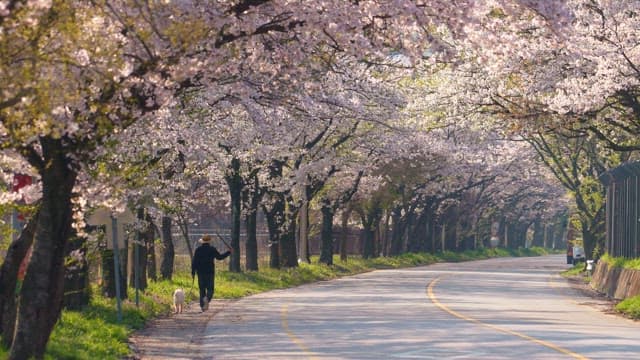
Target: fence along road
[{"x": 508, "y": 308}]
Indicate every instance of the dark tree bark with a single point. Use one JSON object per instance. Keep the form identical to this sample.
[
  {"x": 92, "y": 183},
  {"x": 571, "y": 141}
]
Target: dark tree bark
[
  {"x": 109, "y": 276},
  {"x": 303, "y": 230},
  {"x": 152, "y": 268},
  {"x": 368, "y": 238},
  {"x": 288, "y": 252},
  {"x": 414, "y": 232},
  {"x": 431, "y": 235},
  {"x": 251, "y": 245},
  {"x": 235, "y": 183},
  {"x": 184, "y": 229},
  {"x": 281, "y": 221},
  {"x": 252, "y": 196},
  {"x": 275, "y": 220},
  {"x": 168, "y": 251},
  {"x": 593, "y": 238},
  {"x": 383, "y": 229},
  {"x": 9, "y": 278},
  {"x": 538, "y": 233},
  {"x": 345, "y": 233},
  {"x": 370, "y": 217},
  {"x": 326, "y": 234},
  {"x": 396, "y": 232},
  {"x": 143, "y": 238},
  {"x": 76, "y": 282},
  {"x": 418, "y": 235},
  {"x": 275, "y": 216},
  {"x": 40, "y": 300},
  {"x": 329, "y": 208}
]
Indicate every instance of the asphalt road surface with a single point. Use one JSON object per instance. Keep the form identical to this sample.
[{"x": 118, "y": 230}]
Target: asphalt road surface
[{"x": 506, "y": 308}]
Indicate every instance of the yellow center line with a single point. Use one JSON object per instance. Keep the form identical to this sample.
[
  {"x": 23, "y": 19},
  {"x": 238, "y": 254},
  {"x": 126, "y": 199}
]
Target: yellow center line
[
  {"x": 291, "y": 335},
  {"x": 547, "y": 344}
]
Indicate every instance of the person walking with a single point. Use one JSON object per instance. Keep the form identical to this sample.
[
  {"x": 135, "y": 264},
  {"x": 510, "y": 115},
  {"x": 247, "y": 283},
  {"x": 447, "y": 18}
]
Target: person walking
[{"x": 203, "y": 263}]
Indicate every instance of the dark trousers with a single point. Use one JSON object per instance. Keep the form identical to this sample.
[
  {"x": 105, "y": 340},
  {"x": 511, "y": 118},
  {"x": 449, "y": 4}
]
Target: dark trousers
[{"x": 205, "y": 283}]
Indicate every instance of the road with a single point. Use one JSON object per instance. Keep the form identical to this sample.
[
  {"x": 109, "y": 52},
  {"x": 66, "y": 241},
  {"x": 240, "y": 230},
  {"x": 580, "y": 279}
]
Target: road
[{"x": 506, "y": 308}]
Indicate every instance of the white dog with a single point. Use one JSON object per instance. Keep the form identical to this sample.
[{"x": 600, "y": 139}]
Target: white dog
[{"x": 178, "y": 300}]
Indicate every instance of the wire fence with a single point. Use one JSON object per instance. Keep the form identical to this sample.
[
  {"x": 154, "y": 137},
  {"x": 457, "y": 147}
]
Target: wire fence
[{"x": 623, "y": 210}]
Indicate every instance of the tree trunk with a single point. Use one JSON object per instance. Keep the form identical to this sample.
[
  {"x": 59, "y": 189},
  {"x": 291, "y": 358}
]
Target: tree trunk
[
  {"x": 383, "y": 248},
  {"x": 326, "y": 250},
  {"x": 129, "y": 262},
  {"x": 288, "y": 251},
  {"x": 345, "y": 233},
  {"x": 40, "y": 299},
  {"x": 504, "y": 233},
  {"x": 133, "y": 253},
  {"x": 415, "y": 242},
  {"x": 538, "y": 233},
  {"x": 274, "y": 223},
  {"x": 593, "y": 234},
  {"x": 184, "y": 229},
  {"x": 9, "y": 277},
  {"x": 408, "y": 224},
  {"x": 141, "y": 245},
  {"x": 152, "y": 268},
  {"x": 274, "y": 255},
  {"x": 76, "y": 283},
  {"x": 146, "y": 237},
  {"x": 109, "y": 276},
  {"x": 396, "y": 232},
  {"x": 593, "y": 239},
  {"x": 168, "y": 251},
  {"x": 234, "y": 181},
  {"x": 276, "y": 218},
  {"x": 252, "y": 195},
  {"x": 251, "y": 245},
  {"x": 368, "y": 235},
  {"x": 431, "y": 235},
  {"x": 303, "y": 230}
]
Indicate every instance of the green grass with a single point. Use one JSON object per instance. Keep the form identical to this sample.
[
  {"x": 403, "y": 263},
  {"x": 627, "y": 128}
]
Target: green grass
[
  {"x": 576, "y": 270},
  {"x": 630, "y": 307},
  {"x": 621, "y": 262},
  {"x": 96, "y": 333}
]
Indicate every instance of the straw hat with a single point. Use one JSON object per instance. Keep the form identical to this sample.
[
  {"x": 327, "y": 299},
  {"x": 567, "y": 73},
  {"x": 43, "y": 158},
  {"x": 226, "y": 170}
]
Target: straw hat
[{"x": 205, "y": 240}]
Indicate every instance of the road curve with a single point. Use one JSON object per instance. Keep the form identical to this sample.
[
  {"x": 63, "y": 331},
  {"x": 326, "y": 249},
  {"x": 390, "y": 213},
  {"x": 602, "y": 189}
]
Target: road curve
[{"x": 506, "y": 308}]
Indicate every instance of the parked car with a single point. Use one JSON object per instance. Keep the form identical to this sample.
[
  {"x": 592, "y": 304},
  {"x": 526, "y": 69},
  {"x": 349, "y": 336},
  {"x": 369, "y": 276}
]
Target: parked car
[{"x": 578, "y": 254}]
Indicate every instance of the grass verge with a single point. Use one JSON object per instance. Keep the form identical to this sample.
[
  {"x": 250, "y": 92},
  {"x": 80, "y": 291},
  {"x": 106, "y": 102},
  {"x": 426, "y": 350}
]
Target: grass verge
[
  {"x": 96, "y": 333},
  {"x": 620, "y": 262},
  {"x": 630, "y": 307},
  {"x": 578, "y": 272}
]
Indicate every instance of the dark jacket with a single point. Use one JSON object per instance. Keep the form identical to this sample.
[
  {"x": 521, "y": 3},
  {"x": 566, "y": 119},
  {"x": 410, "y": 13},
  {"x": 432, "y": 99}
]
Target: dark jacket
[{"x": 203, "y": 259}]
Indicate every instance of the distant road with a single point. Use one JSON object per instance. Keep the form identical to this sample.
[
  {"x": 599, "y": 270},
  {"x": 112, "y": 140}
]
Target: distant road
[{"x": 507, "y": 308}]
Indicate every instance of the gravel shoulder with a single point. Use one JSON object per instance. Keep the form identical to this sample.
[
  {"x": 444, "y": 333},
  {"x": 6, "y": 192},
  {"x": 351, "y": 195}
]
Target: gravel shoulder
[
  {"x": 177, "y": 336},
  {"x": 595, "y": 299}
]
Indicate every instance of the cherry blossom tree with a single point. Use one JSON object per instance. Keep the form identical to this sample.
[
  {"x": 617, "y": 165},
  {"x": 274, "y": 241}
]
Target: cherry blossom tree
[
  {"x": 82, "y": 73},
  {"x": 549, "y": 71}
]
